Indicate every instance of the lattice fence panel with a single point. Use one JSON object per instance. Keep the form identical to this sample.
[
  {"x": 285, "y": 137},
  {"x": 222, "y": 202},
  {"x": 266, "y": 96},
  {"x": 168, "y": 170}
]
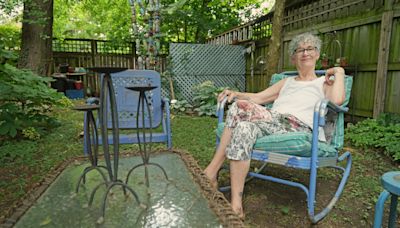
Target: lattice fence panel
[
  {"x": 196, "y": 63},
  {"x": 72, "y": 45}
]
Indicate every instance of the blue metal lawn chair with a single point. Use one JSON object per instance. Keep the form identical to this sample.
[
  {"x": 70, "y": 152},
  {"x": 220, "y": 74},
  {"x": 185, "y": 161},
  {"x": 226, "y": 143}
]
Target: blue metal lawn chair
[
  {"x": 303, "y": 150},
  {"x": 127, "y": 102}
]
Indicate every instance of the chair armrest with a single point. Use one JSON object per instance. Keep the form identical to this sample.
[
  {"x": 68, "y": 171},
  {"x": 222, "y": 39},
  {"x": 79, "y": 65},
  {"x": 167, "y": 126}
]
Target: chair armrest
[
  {"x": 326, "y": 115},
  {"x": 164, "y": 102},
  {"x": 220, "y": 110},
  {"x": 322, "y": 108},
  {"x": 337, "y": 108}
]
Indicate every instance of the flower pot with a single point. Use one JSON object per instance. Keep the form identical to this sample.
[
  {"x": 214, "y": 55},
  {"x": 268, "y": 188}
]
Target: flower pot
[
  {"x": 343, "y": 62},
  {"x": 325, "y": 63},
  {"x": 71, "y": 69},
  {"x": 78, "y": 85}
]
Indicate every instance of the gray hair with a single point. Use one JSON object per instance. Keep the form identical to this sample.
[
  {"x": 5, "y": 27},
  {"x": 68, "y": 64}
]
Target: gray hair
[{"x": 304, "y": 38}]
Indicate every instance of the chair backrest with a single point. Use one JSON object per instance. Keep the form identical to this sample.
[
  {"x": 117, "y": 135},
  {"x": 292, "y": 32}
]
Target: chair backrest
[
  {"x": 127, "y": 100},
  {"x": 336, "y": 125}
]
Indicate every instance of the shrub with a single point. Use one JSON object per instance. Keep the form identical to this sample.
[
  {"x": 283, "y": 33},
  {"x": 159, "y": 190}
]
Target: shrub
[
  {"x": 180, "y": 106},
  {"x": 205, "y": 98},
  {"x": 383, "y": 133},
  {"x": 25, "y": 100},
  {"x": 10, "y": 38}
]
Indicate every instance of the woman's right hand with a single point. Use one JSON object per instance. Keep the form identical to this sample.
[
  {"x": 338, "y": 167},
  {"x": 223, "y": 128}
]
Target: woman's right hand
[{"x": 229, "y": 94}]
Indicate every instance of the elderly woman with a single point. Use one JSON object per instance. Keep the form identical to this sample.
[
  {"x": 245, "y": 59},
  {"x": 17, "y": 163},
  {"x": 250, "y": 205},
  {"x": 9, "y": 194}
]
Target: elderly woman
[{"x": 294, "y": 99}]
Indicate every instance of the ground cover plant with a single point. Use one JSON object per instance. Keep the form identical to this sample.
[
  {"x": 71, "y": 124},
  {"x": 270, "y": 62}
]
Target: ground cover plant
[
  {"x": 381, "y": 133},
  {"x": 266, "y": 204}
]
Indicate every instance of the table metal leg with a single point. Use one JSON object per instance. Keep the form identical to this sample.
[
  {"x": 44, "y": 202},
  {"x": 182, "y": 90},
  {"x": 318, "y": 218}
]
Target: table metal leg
[
  {"x": 92, "y": 147},
  {"x": 108, "y": 91},
  {"x": 393, "y": 211},
  {"x": 146, "y": 149},
  {"x": 379, "y": 208}
]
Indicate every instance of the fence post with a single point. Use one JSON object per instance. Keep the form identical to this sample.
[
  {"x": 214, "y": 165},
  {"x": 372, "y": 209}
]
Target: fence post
[
  {"x": 93, "y": 52},
  {"x": 383, "y": 58}
]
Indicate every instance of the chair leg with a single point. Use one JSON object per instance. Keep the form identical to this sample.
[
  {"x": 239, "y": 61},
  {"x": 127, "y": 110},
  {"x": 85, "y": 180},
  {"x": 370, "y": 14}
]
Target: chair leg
[
  {"x": 346, "y": 173},
  {"x": 168, "y": 125},
  {"x": 379, "y": 208},
  {"x": 312, "y": 192},
  {"x": 393, "y": 211}
]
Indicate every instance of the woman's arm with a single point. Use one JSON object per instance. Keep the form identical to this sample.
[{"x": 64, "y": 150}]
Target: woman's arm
[
  {"x": 266, "y": 96},
  {"x": 334, "y": 89}
]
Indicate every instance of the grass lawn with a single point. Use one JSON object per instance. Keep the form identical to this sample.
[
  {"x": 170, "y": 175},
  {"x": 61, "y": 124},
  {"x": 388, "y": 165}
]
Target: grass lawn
[{"x": 24, "y": 164}]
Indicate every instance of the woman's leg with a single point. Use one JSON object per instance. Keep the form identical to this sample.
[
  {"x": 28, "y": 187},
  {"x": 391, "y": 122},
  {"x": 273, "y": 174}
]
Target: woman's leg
[
  {"x": 239, "y": 151},
  {"x": 219, "y": 157},
  {"x": 238, "y": 172}
]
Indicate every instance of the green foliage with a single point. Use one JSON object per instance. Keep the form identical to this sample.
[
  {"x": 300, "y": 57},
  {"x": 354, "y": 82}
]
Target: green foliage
[
  {"x": 205, "y": 98},
  {"x": 92, "y": 19},
  {"x": 11, "y": 151},
  {"x": 180, "y": 106},
  {"x": 25, "y": 100},
  {"x": 182, "y": 20},
  {"x": 10, "y": 36},
  {"x": 31, "y": 133},
  {"x": 28, "y": 161},
  {"x": 196, "y": 20},
  {"x": 9, "y": 7},
  {"x": 382, "y": 133}
]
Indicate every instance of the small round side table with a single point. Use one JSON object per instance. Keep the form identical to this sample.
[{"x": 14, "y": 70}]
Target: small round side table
[
  {"x": 91, "y": 142},
  {"x": 391, "y": 184},
  {"x": 145, "y": 154}
]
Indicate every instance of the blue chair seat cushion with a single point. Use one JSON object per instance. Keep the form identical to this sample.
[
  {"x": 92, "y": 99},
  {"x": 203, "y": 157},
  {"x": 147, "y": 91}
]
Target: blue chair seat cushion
[{"x": 292, "y": 143}]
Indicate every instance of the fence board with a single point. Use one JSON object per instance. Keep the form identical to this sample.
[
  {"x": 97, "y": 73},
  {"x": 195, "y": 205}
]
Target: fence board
[
  {"x": 381, "y": 77},
  {"x": 392, "y": 102}
]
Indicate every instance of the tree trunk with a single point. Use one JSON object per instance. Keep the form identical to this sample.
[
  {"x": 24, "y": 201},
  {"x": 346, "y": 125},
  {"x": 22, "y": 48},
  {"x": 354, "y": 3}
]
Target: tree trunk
[
  {"x": 275, "y": 41},
  {"x": 36, "y": 42}
]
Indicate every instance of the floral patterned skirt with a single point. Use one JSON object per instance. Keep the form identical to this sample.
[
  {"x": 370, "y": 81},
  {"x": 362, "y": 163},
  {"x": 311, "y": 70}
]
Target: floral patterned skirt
[{"x": 249, "y": 121}]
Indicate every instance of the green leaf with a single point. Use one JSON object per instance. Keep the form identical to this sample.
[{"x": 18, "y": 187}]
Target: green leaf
[
  {"x": 46, "y": 221},
  {"x": 285, "y": 210}
]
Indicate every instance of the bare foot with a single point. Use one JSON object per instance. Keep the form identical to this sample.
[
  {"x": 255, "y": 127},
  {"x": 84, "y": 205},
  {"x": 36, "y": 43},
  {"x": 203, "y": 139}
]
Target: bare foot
[
  {"x": 239, "y": 212},
  {"x": 213, "y": 181},
  {"x": 214, "y": 184}
]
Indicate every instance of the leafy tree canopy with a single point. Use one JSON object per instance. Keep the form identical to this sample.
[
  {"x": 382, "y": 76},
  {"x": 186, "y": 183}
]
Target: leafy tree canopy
[{"x": 182, "y": 20}]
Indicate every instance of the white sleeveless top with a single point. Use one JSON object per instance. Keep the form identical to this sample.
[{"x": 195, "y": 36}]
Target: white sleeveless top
[{"x": 298, "y": 98}]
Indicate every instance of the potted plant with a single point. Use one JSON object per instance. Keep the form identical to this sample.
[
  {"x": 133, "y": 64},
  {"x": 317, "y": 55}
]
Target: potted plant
[
  {"x": 341, "y": 61},
  {"x": 325, "y": 63}
]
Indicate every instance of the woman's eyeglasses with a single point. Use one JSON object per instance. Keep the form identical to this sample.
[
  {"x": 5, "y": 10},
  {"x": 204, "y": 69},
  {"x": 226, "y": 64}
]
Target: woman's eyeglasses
[{"x": 300, "y": 51}]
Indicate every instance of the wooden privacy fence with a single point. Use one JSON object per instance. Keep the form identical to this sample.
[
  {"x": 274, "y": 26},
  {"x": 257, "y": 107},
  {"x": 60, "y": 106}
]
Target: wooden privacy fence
[
  {"x": 85, "y": 53},
  {"x": 361, "y": 35}
]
